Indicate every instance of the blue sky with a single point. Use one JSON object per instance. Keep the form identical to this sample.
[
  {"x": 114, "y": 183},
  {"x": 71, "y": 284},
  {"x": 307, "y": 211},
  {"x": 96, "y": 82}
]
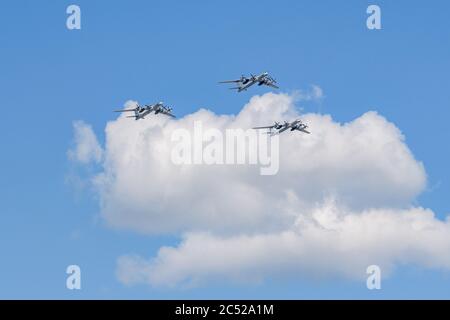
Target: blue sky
[{"x": 176, "y": 52}]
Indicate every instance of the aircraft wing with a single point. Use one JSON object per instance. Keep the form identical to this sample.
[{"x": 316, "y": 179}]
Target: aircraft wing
[
  {"x": 230, "y": 81},
  {"x": 305, "y": 131},
  {"x": 243, "y": 87},
  {"x": 266, "y": 127},
  {"x": 167, "y": 113},
  {"x": 283, "y": 129},
  {"x": 272, "y": 85}
]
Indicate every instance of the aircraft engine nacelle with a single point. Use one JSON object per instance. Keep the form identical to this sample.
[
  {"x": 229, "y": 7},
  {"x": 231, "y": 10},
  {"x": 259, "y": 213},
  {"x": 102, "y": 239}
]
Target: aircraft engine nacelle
[{"x": 260, "y": 83}]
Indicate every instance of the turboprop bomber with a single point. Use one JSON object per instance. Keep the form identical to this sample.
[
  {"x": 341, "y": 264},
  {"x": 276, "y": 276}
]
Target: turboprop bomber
[{"x": 140, "y": 112}]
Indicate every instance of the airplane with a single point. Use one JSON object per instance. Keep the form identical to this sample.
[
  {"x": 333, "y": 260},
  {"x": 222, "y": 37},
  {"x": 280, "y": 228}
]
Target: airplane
[
  {"x": 294, "y": 125},
  {"x": 244, "y": 83},
  {"x": 140, "y": 112}
]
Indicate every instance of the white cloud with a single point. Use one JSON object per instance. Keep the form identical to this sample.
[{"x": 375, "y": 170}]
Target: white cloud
[
  {"x": 363, "y": 163},
  {"x": 238, "y": 224},
  {"x": 331, "y": 242},
  {"x": 315, "y": 93},
  {"x": 87, "y": 149}
]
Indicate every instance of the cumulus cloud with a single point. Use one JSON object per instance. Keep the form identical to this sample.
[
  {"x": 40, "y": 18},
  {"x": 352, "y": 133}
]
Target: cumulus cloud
[
  {"x": 363, "y": 163},
  {"x": 330, "y": 242},
  {"x": 233, "y": 220},
  {"x": 87, "y": 149}
]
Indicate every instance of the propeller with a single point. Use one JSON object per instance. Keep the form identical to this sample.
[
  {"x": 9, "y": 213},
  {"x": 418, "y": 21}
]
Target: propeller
[
  {"x": 134, "y": 109},
  {"x": 277, "y": 125},
  {"x": 271, "y": 79}
]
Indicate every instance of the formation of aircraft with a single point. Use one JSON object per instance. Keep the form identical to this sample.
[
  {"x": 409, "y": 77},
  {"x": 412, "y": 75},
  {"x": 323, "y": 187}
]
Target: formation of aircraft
[
  {"x": 297, "y": 124},
  {"x": 244, "y": 83},
  {"x": 140, "y": 112}
]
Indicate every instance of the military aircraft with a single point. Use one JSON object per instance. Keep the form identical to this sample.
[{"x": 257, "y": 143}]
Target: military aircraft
[
  {"x": 281, "y": 127},
  {"x": 244, "y": 83},
  {"x": 140, "y": 112}
]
